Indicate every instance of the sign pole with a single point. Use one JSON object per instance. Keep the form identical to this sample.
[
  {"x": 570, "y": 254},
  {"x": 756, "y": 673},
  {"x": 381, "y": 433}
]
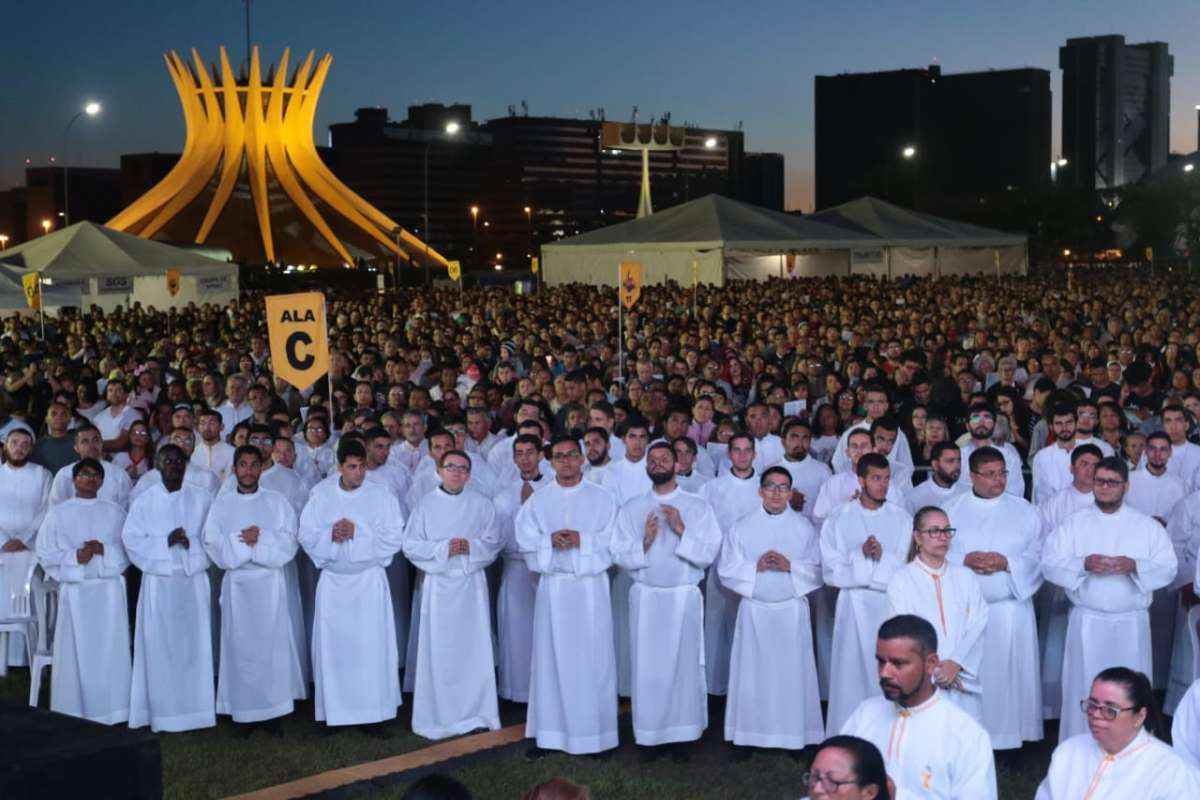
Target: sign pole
[
  {"x": 41, "y": 307},
  {"x": 620, "y": 330},
  {"x": 329, "y": 372}
]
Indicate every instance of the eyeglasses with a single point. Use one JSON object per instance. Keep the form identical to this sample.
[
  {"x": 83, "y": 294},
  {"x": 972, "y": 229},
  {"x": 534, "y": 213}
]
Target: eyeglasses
[
  {"x": 565, "y": 456},
  {"x": 458, "y": 469},
  {"x": 939, "y": 533},
  {"x": 776, "y": 487},
  {"x": 1108, "y": 483},
  {"x": 1090, "y": 708},
  {"x": 1002, "y": 473},
  {"x": 827, "y": 782}
]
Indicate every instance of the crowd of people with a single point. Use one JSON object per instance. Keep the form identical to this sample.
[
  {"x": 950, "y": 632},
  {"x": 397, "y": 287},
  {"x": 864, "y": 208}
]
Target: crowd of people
[{"x": 948, "y": 509}]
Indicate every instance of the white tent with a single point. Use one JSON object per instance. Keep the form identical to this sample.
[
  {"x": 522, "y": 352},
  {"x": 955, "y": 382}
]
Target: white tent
[
  {"x": 108, "y": 268},
  {"x": 722, "y": 239}
]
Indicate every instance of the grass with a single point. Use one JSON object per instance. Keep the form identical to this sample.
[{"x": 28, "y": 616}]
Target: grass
[{"x": 215, "y": 763}]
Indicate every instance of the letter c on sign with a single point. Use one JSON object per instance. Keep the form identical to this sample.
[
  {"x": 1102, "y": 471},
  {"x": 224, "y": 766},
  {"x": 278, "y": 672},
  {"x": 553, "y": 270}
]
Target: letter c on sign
[{"x": 293, "y": 342}]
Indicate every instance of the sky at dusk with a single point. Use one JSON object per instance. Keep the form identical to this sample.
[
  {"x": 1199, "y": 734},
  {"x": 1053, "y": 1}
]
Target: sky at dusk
[{"x": 713, "y": 63}]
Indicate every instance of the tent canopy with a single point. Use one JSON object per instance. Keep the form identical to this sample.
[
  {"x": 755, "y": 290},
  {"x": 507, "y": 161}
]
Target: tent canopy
[{"x": 895, "y": 226}]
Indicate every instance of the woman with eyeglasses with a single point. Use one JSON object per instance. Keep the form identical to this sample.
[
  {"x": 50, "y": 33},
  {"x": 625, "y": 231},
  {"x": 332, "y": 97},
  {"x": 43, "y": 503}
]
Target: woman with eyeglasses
[
  {"x": 847, "y": 768},
  {"x": 949, "y": 597},
  {"x": 1121, "y": 755}
]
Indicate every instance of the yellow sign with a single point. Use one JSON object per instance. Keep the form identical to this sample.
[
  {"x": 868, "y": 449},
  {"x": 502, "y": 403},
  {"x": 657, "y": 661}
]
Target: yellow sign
[
  {"x": 1149, "y": 253},
  {"x": 533, "y": 265},
  {"x": 791, "y": 263},
  {"x": 454, "y": 270},
  {"x": 299, "y": 338},
  {"x": 173, "y": 278},
  {"x": 32, "y": 284},
  {"x": 630, "y": 287}
]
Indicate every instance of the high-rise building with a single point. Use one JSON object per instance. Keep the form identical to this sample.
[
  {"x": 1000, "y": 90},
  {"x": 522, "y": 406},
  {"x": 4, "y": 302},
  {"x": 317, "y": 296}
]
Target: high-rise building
[
  {"x": 94, "y": 196},
  {"x": 1116, "y": 110},
  {"x": 918, "y": 136}
]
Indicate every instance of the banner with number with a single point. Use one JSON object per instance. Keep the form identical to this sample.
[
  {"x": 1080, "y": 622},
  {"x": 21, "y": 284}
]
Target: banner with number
[
  {"x": 630, "y": 283},
  {"x": 299, "y": 338},
  {"x": 32, "y": 283}
]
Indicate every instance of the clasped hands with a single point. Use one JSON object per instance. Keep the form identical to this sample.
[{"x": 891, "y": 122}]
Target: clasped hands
[
  {"x": 674, "y": 522},
  {"x": 91, "y": 548},
  {"x": 985, "y": 562},
  {"x": 1109, "y": 565}
]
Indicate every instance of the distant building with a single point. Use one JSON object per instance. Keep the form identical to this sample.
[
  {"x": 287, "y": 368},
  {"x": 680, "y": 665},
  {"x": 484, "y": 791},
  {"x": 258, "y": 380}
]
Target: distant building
[
  {"x": 970, "y": 133},
  {"x": 1116, "y": 110},
  {"x": 95, "y": 197},
  {"x": 762, "y": 180}
]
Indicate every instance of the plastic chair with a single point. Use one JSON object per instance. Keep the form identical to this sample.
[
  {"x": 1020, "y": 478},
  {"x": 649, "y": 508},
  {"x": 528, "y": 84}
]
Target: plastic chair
[
  {"x": 45, "y": 601},
  {"x": 18, "y": 613}
]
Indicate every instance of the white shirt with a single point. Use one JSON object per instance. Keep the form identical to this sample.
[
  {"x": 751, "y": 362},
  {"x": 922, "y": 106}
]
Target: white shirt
[
  {"x": 112, "y": 426},
  {"x": 1146, "y": 769},
  {"x": 231, "y": 415},
  {"x": 217, "y": 457}
]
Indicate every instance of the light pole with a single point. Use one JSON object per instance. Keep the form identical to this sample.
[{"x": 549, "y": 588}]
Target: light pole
[
  {"x": 474, "y": 233},
  {"x": 90, "y": 110},
  {"x": 46, "y": 226},
  {"x": 529, "y": 230},
  {"x": 3, "y": 241},
  {"x": 1056, "y": 165},
  {"x": 450, "y": 129}
]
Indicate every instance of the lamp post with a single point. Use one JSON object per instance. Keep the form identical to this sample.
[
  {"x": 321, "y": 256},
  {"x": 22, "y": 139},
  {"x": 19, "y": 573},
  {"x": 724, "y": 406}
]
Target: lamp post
[
  {"x": 1055, "y": 166},
  {"x": 46, "y": 226},
  {"x": 474, "y": 233},
  {"x": 3, "y": 241},
  {"x": 90, "y": 110},
  {"x": 451, "y": 129}
]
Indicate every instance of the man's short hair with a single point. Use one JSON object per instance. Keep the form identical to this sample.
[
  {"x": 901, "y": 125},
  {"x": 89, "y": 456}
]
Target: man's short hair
[
  {"x": 1062, "y": 410},
  {"x": 858, "y": 432},
  {"x": 247, "y": 450},
  {"x": 910, "y": 626},
  {"x": 86, "y": 427},
  {"x": 601, "y": 432},
  {"x": 887, "y": 422},
  {"x": 687, "y": 442},
  {"x": 940, "y": 448},
  {"x": 1114, "y": 464},
  {"x": 1158, "y": 435},
  {"x": 776, "y": 470},
  {"x": 527, "y": 438},
  {"x": 348, "y": 448},
  {"x": 794, "y": 422},
  {"x": 631, "y": 422},
  {"x": 740, "y": 434},
  {"x": 84, "y": 463},
  {"x": 1086, "y": 450},
  {"x": 460, "y": 453},
  {"x": 210, "y": 412},
  {"x": 984, "y": 455},
  {"x": 371, "y": 434},
  {"x": 663, "y": 445},
  {"x": 870, "y": 461}
]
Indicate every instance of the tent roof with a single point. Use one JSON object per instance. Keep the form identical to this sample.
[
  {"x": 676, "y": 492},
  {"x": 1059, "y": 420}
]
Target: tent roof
[
  {"x": 86, "y": 250},
  {"x": 893, "y": 225},
  {"x": 716, "y": 221}
]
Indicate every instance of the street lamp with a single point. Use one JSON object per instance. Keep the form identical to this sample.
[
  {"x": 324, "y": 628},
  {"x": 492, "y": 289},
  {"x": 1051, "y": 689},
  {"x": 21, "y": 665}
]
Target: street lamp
[
  {"x": 474, "y": 232},
  {"x": 3, "y": 241},
  {"x": 450, "y": 129},
  {"x": 909, "y": 151},
  {"x": 1188, "y": 167},
  {"x": 46, "y": 226},
  {"x": 710, "y": 143},
  {"x": 529, "y": 228},
  {"x": 91, "y": 109}
]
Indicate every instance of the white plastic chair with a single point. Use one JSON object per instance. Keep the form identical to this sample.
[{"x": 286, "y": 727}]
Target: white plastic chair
[
  {"x": 45, "y": 602},
  {"x": 18, "y": 611}
]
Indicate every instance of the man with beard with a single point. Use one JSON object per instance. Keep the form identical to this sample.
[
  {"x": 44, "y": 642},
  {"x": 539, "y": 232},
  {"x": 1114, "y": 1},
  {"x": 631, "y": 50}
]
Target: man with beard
[
  {"x": 842, "y": 487},
  {"x": 1052, "y": 464},
  {"x": 212, "y": 452},
  {"x": 412, "y": 446},
  {"x": 352, "y": 529},
  {"x": 686, "y": 475},
  {"x": 930, "y": 746},
  {"x": 601, "y": 414},
  {"x": 564, "y": 531},
  {"x": 732, "y": 495},
  {"x": 863, "y": 544},
  {"x": 665, "y": 538},
  {"x": 808, "y": 474},
  {"x": 595, "y": 447},
  {"x": 79, "y": 545},
  {"x": 945, "y": 467},
  {"x": 250, "y": 533},
  {"x": 173, "y": 641},
  {"x": 1087, "y": 417},
  {"x": 1051, "y": 602},
  {"x": 676, "y": 424},
  {"x": 1109, "y": 559},
  {"x": 771, "y": 558},
  {"x": 24, "y": 499},
  {"x": 115, "y": 487},
  {"x": 480, "y": 438},
  {"x": 981, "y": 423},
  {"x": 999, "y": 539}
]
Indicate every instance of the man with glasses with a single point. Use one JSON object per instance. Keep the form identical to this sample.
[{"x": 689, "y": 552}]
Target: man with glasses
[
  {"x": 564, "y": 531},
  {"x": 863, "y": 544},
  {"x": 981, "y": 424},
  {"x": 999, "y": 539},
  {"x": 1051, "y": 465},
  {"x": 772, "y": 560},
  {"x": 452, "y": 537},
  {"x": 1109, "y": 559},
  {"x": 931, "y": 747},
  {"x": 665, "y": 538},
  {"x": 193, "y": 474}
]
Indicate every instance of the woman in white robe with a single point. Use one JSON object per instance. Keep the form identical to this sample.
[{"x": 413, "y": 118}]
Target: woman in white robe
[{"x": 92, "y": 666}]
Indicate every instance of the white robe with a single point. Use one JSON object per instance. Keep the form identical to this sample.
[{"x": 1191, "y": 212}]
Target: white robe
[
  {"x": 666, "y": 614},
  {"x": 928, "y": 493},
  {"x": 935, "y": 750},
  {"x": 573, "y": 691},
  {"x": 115, "y": 488},
  {"x": 172, "y": 644},
  {"x": 217, "y": 457},
  {"x": 841, "y": 488},
  {"x": 1185, "y": 463},
  {"x": 1146, "y": 769},
  {"x": 192, "y": 476},
  {"x": 949, "y": 599},
  {"x": 841, "y": 462},
  {"x": 731, "y": 498},
  {"x": 1109, "y": 623},
  {"x": 1185, "y": 727},
  {"x": 1183, "y": 527},
  {"x": 405, "y": 455},
  {"x": 1051, "y": 467},
  {"x": 773, "y": 697},
  {"x": 1051, "y": 604},
  {"x": 693, "y": 482},
  {"x": 92, "y": 668},
  {"x": 455, "y": 682},
  {"x": 1009, "y": 673},
  {"x": 627, "y": 480},
  {"x": 1014, "y": 485},
  {"x": 862, "y": 604},
  {"x": 356, "y": 664},
  {"x": 24, "y": 499},
  {"x": 259, "y": 672}
]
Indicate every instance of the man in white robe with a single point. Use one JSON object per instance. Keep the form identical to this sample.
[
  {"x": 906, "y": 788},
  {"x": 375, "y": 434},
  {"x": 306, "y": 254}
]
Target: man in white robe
[
  {"x": 116, "y": 485},
  {"x": 999, "y": 539},
  {"x": 412, "y": 446},
  {"x": 452, "y": 537},
  {"x": 1051, "y": 604},
  {"x": 599, "y": 461},
  {"x": 251, "y": 534},
  {"x": 981, "y": 424},
  {"x": 79, "y": 546},
  {"x": 24, "y": 499},
  {"x": 930, "y": 747},
  {"x": 172, "y": 645},
  {"x": 843, "y": 486},
  {"x": 501, "y": 452},
  {"x": 212, "y": 452},
  {"x": 876, "y": 404},
  {"x": 565, "y": 530},
  {"x": 945, "y": 468},
  {"x": 1109, "y": 559},
  {"x": 193, "y": 475},
  {"x": 518, "y": 584},
  {"x": 772, "y": 559},
  {"x": 1185, "y": 456},
  {"x": 863, "y": 544},
  {"x": 732, "y": 495},
  {"x": 351, "y": 529},
  {"x": 627, "y": 479},
  {"x": 1051, "y": 465},
  {"x": 687, "y": 476},
  {"x": 485, "y": 480},
  {"x": 665, "y": 538}
]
